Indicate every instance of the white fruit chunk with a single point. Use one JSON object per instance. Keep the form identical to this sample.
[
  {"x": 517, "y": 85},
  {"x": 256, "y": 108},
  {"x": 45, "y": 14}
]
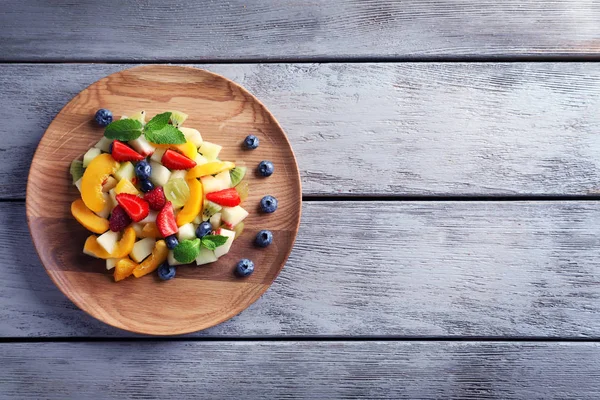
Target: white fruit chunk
[
  {"x": 112, "y": 194},
  {"x": 151, "y": 217},
  {"x": 224, "y": 249},
  {"x": 205, "y": 256},
  {"x": 215, "y": 183},
  {"x": 108, "y": 206},
  {"x": 78, "y": 184},
  {"x": 192, "y": 135},
  {"x": 109, "y": 184},
  {"x": 178, "y": 174},
  {"x": 108, "y": 240},
  {"x": 142, "y": 146},
  {"x": 186, "y": 231},
  {"x": 125, "y": 171},
  {"x": 104, "y": 144},
  {"x": 210, "y": 150},
  {"x": 157, "y": 155},
  {"x": 160, "y": 174},
  {"x": 200, "y": 159},
  {"x": 142, "y": 249},
  {"x": 137, "y": 228},
  {"x": 90, "y": 155},
  {"x": 171, "y": 259},
  {"x": 111, "y": 263},
  {"x": 215, "y": 220},
  {"x": 233, "y": 215}
]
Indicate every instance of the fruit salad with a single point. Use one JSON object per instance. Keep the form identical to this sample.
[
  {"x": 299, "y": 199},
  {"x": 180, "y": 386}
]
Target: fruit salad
[{"x": 155, "y": 195}]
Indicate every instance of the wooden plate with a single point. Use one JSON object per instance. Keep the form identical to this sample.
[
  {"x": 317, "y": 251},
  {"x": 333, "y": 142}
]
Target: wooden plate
[{"x": 199, "y": 297}]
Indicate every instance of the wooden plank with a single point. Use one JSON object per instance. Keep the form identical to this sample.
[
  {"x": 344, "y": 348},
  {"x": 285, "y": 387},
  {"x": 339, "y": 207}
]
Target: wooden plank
[
  {"x": 308, "y": 370},
  {"x": 506, "y": 269},
  {"x": 260, "y": 30},
  {"x": 379, "y": 129}
]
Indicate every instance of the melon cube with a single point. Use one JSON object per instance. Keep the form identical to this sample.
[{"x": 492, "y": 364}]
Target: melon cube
[
  {"x": 104, "y": 144},
  {"x": 157, "y": 155},
  {"x": 108, "y": 240},
  {"x": 192, "y": 135},
  {"x": 160, "y": 174},
  {"x": 125, "y": 171},
  {"x": 142, "y": 146},
  {"x": 171, "y": 259},
  {"x": 205, "y": 256},
  {"x": 90, "y": 155},
  {"x": 224, "y": 249},
  {"x": 142, "y": 249},
  {"x": 233, "y": 215},
  {"x": 210, "y": 150},
  {"x": 186, "y": 231},
  {"x": 111, "y": 263}
]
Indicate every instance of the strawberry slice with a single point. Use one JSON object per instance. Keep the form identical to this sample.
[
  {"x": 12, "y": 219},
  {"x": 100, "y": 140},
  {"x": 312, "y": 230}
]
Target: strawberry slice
[
  {"x": 121, "y": 152},
  {"x": 166, "y": 222},
  {"x": 225, "y": 197},
  {"x": 136, "y": 207},
  {"x": 173, "y": 160}
]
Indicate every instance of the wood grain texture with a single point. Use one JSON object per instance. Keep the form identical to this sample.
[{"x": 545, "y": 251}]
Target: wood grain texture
[
  {"x": 307, "y": 370},
  {"x": 379, "y": 129},
  {"x": 199, "y": 297},
  {"x": 257, "y": 29},
  {"x": 505, "y": 269}
]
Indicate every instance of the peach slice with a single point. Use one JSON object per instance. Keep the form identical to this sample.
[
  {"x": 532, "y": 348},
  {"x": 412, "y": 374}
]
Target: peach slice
[
  {"x": 193, "y": 206},
  {"x": 124, "y": 268},
  {"x": 150, "y": 230},
  {"x": 210, "y": 168},
  {"x": 93, "y": 177},
  {"x": 151, "y": 263},
  {"x": 87, "y": 218}
]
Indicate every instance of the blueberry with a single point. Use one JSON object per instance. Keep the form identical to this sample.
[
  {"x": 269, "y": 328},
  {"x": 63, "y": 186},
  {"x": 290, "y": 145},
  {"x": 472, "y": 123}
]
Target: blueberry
[
  {"x": 263, "y": 238},
  {"x": 103, "y": 117},
  {"x": 171, "y": 241},
  {"x": 244, "y": 267},
  {"x": 110, "y": 147},
  {"x": 146, "y": 186},
  {"x": 265, "y": 168},
  {"x": 203, "y": 229},
  {"x": 143, "y": 170},
  {"x": 268, "y": 204},
  {"x": 166, "y": 272},
  {"x": 251, "y": 142}
]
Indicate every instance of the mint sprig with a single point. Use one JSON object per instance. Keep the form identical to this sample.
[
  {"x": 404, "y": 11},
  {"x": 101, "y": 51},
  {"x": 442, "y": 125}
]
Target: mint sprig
[
  {"x": 157, "y": 130},
  {"x": 211, "y": 242}
]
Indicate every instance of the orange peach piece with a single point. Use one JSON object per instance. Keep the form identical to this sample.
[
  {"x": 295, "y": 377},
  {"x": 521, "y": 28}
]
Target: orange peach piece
[
  {"x": 124, "y": 268},
  {"x": 193, "y": 206},
  {"x": 93, "y": 177},
  {"x": 87, "y": 218},
  {"x": 210, "y": 168},
  {"x": 151, "y": 263},
  {"x": 150, "y": 230},
  {"x": 125, "y": 245}
]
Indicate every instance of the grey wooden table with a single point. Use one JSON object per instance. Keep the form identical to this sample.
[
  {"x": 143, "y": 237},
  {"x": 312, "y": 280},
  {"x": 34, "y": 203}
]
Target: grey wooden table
[{"x": 450, "y": 161}]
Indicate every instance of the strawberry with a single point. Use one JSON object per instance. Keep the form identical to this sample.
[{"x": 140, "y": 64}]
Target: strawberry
[
  {"x": 173, "y": 160},
  {"x": 121, "y": 152},
  {"x": 225, "y": 197},
  {"x": 136, "y": 207},
  {"x": 165, "y": 221},
  {"x": 156, "y": 198},
  {"x": 119, "y": 219}
]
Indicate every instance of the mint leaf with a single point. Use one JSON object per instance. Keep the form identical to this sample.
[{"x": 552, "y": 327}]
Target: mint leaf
[
  {"x": 168, "y": 134},
  {"x": 187, "y": 251},
  {"x": 211, "y": 242},
  {"x": 158, "y": 122},
  {"x": 124, "y": 130}
]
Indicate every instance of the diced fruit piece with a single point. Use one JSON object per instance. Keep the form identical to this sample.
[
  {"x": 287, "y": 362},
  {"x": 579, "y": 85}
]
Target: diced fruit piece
[
  {"x": 263, "y": 238},
  {"x": 165, "y": 221},
  {"x": 109, "y": 184},
  {"x": 239, "y": 228},
  {"x": 197, "y": 220},
  {"x": 181, "y": 174},
  {"x": 166, "y": 272},
  {"x": 139, "y": 116},
  {"x": 151, "y": 231},
  {"x": 243, "y": 190},
  {"x": 108, "y": 241},
  {"x": 76, "y": 170},
  {"x": 216, "y": 183},
  {"x": 173, "y": 160},
  {"x": 125, "y": 245},
  {"x": 87, "y": 218},
  {"x": 233, "y": 215},
  {"x": 158, "y": 256},
  {"x": 215, "y": 220},
  {"x": 110, "y": 263},
  {"x": 244, "y": 267},
  {"x": 188, "y": 149},
  {"x": 205, "y": 256},
  {"x": 78, "y": 184},
  {"x": 187, "y": 251},
  {"x": 119, "y": 219},
  {"x": 210, "y": 150},
  {"x": 226, "y": 198},
  {"x": 151, "y": 217},
  {"x": 186, "y": 232},
  {"x": 113, "y": 197},
  {"x": 210, "y": 209},
  {"x": 136, "y": 207},
  {"x": 104, "y": 144},
  {"x": 193, "y": 206},
  {"x": 126, "y": 171},
  {"x": 108, "y": 206},
  {"x": 138, "y": 227},
  {"x": 171, "y": 259},
  {"x": 192, "y": 135},
  {"x": 224, "y": 249},
  {"x": 91, "y": 183},
  {"x": 92, "y": 248},
  {"x": 157, "y": 155},
  {"x": 156, "y": 198},
  {"x": 121, "y": 152},
  {"x": 90, "y": 155},
  {"x": 123, "y": 269},
  {"x": 236, "y": 175},
  {"x": 177, "y": 191},
  {"x": 142, "y": 146},
  {"x": 142, "y": 249},
  {"x": 177, "y": 118},
  {"x": 210, "y": 168},
  {"x": 125, "y": 186},
  {"x": 200, "y": 159},
  {"x": 160, "y": 174}
]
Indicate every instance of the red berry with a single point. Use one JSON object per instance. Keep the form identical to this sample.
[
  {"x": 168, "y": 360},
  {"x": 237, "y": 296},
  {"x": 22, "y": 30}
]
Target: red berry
[
  {"x": 226, "y": 197},
  {"x": 165, "y": 221},
  {"x": 173, "y": 160},
  {"x": 136, "y": 207},
  {"x": 121, "y": 152},
  {"x": 156, "y": 198},
  {"x": 119, "y": 219}
]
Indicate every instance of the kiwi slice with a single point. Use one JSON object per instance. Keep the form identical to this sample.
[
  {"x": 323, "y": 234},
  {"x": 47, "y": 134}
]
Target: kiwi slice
[
  {"x": 177, "y": 118},
  {"x": 210, "y": 209},
  {"x": 237, "y": 174},
  {"x": 76, "y": 170}
]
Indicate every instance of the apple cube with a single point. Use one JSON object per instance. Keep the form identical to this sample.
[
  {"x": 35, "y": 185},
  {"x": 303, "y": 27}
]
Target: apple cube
[
  {"x": 171, "y": 259},
  {"x": 206, "y": 256},
  {"x": 215, "y": 183},
  {"x": 160, "y": 174},
  {"x": 192, "y": 135},
  {"x": 224, "y": 249},
  {"x": 200, "y": 159},
  {"x": 215, "y": 220},
  {"x": 125, "y": 171},
  {"x": 78, "y": 184},
  {"x": 109, "y": 184},
  {"x": 104, "y": 144},
  {"x": 137, "y": 228},
  {"x": 233, "y": 215},
  {"x": 186, "y": 231},
  {"x": 108, "y": 206},
  {"x": 90, "y": 155},
  {"x": 142, "y": 146},
  {"x": 178, "y": 174},
  {"x": 210, "y": 150},
  {"x": 112, "y": 194},
  {"x": 151, "y": 217},
  {"x": 157, "y": 155},
  {"x": 111, "y": 263},
  {"x": 142, "y": 249},
  {"x": 108, "y": 240}
]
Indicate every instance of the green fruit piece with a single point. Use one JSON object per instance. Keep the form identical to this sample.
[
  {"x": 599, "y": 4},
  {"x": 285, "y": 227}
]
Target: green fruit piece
[
  {"x": 139, "y": 116},
  {"x": 239, "y": 228},
  {"x": 76, "y": 170},
  {"x": 237, "y": 174},
  {"x": 187, "y": 251},
  {"x": 210, "y": 209},
  {"x": 177, "y": 118},
  {"x": 177, "y": 192},
  {"x": 243, "y": 190}
]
